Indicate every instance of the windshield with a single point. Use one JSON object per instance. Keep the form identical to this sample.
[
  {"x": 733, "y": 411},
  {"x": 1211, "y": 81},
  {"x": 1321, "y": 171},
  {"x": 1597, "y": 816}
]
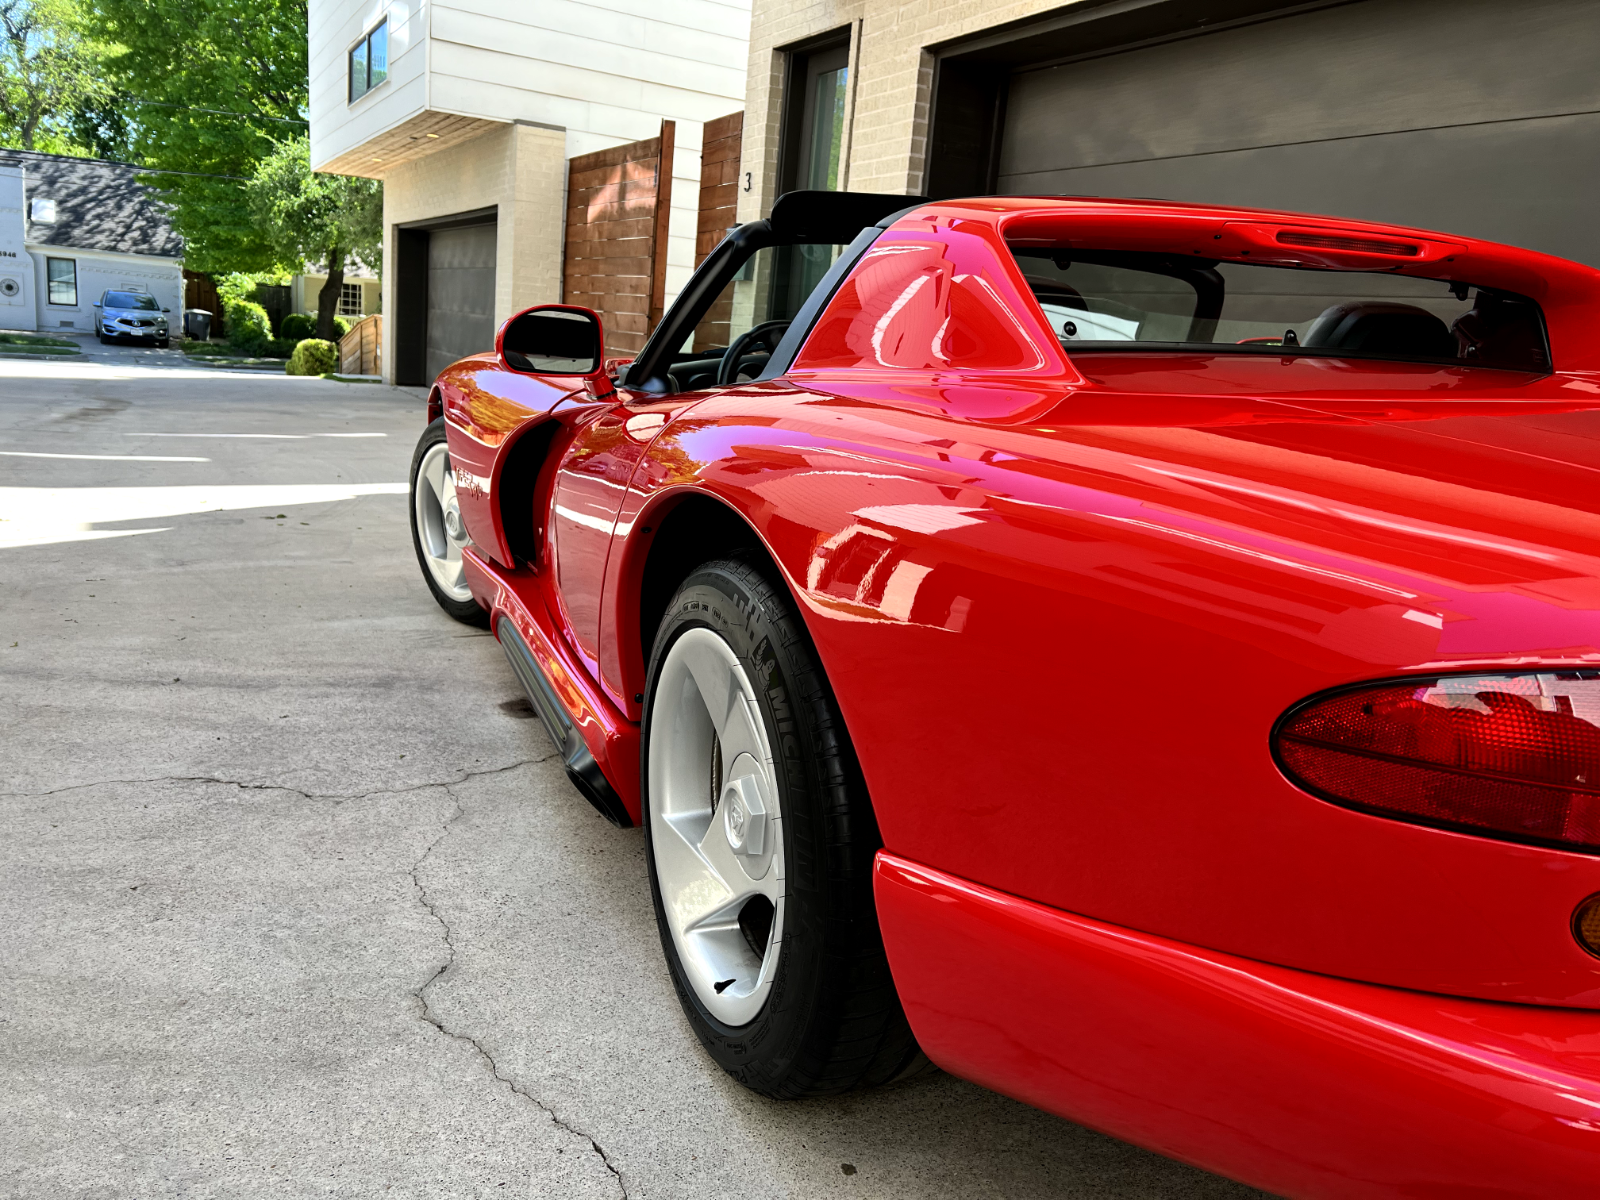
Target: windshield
[
  {"x": 759, "y": 301},
  {"x": 1099, "y": 300},
  {"x": 138, "y": 300}
]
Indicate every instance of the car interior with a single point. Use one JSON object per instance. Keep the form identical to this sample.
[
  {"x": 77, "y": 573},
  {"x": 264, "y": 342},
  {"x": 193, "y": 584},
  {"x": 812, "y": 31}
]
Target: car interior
[{"x": 1105, "y": 300}]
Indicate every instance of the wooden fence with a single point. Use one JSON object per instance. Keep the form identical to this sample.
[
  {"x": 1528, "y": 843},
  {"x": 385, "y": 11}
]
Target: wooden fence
[
  {"x": 361, "y": 350},
  {"x": 618, "y": 203}
]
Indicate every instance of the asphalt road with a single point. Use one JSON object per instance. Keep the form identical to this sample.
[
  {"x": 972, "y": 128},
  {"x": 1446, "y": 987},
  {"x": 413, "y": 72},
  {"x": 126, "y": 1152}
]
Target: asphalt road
[{"x": 298, "y": 899}]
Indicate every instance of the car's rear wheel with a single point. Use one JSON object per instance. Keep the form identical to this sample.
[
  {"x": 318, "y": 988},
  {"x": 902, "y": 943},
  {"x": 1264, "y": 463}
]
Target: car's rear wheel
[
  {"x": 436, "y": 529},
  {"x": 760, "y": 844}
]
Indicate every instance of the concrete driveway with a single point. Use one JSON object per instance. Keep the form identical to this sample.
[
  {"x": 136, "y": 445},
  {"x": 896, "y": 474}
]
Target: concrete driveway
[{"x": 300, "y": 901}]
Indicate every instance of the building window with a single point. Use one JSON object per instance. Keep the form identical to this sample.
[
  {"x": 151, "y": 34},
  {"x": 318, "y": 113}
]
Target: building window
[
  {"x": 369, "y": 61},
  {"x": 349, "y": 299},
  {"x": 61, "y": 274}
]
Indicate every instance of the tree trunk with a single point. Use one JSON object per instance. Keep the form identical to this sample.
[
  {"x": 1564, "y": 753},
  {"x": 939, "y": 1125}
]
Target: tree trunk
[{"x": 328, "y": 297}]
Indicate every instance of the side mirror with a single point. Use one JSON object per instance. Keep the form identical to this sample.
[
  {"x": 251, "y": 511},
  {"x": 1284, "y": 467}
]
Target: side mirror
[
  {"x": 97, "y": 304},
  {"x": 552, "y": 339},
  {"x": 166, "y": 310}
]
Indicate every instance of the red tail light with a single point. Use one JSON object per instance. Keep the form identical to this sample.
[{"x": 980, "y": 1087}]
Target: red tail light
[{"x": 1510, "y": 756}]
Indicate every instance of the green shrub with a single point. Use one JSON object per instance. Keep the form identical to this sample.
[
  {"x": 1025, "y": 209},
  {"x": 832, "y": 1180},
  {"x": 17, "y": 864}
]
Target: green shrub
[
  {"x": 298, "y": 326},
  {"x": 313, "y": 356},
  {"x": 249, "y": 330},
  {"x": 342, "y": 324}
]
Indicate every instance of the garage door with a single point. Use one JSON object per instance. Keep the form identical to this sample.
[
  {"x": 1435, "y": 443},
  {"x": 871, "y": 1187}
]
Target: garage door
[
  {"x": 1475, "y": 116},
  {"x": 460, "y": 294}
]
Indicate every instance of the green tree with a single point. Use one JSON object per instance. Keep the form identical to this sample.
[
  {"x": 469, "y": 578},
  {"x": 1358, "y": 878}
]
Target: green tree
[
  {"x": 49, "y": 70},
  {"x": 311, "y": 218},
  {"x": 243, "y": 61}
]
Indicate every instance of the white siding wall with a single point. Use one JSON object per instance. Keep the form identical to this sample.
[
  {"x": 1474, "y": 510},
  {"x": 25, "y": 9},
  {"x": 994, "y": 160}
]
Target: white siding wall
[
  {"x": 605, "y": 71},
  {"x": 334, "y": 26},
  {"x": 99, "y": 271}
]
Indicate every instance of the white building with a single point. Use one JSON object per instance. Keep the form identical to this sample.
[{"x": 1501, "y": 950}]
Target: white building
[
  {"x": 72, "y": 228},
  {"x": 470, "y": 110}
]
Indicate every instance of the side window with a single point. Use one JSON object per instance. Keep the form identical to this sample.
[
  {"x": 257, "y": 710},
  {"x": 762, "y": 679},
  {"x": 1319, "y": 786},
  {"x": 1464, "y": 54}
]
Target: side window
[
  {"x": 369, "y": 61},
  {"x": 349, "y": 299},
  {"x": 61, "y": 277}
]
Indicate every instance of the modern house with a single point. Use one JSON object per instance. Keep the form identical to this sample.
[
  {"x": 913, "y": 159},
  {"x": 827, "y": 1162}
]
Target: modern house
[
  {"x": 1447, "y": 114},
  {"x": 529, "y": 152},
  {"x": 70, "y": 228}
]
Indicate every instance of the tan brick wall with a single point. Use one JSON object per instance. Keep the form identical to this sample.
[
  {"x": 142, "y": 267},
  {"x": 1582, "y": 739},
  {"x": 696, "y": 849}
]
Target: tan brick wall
[
  {"x": 522, "y": 170},
  {"x": 888, "y": 125}
]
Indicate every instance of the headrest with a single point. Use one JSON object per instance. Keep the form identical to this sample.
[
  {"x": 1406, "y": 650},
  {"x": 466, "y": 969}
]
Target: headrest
[{"x": 1378, "y": 328}]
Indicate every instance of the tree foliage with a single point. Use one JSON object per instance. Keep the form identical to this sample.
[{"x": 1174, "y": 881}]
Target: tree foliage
[
  {"x": 50, "y": 71},
  {"x": 246, "y": 61},
  {"x": 322, "y": 219}
]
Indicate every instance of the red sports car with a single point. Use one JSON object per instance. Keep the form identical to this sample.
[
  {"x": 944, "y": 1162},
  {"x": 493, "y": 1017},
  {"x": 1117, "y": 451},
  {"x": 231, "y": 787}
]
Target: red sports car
[{"x": 1146, "y": 656}]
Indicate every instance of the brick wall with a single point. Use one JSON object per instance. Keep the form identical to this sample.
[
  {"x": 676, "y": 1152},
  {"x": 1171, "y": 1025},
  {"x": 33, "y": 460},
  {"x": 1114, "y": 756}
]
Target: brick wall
[
  {"x": 887, "y": 121},
  {"x": 518, "y": 168}
]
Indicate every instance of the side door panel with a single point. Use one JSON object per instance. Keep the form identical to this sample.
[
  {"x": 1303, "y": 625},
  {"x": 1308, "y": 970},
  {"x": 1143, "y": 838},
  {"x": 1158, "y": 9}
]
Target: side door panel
[{"x": 590, "y": 485}]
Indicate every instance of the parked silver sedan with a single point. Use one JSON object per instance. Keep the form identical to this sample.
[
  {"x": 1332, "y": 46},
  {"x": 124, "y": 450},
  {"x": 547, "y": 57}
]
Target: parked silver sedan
[{"x": 131, "y": 315}]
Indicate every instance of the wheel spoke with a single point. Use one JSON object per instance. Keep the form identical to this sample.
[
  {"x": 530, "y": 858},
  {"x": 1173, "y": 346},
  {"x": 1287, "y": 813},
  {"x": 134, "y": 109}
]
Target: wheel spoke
[
  {"x": 434, "y": 472},
  {"x": 722, "y": 687}
]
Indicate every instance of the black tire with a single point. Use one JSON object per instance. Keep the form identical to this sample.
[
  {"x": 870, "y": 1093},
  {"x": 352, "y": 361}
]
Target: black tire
[
  {"x": 832, "y": 1020},
  {"x": 162, "y": 343},
  {"x": 468, "y": 611}
]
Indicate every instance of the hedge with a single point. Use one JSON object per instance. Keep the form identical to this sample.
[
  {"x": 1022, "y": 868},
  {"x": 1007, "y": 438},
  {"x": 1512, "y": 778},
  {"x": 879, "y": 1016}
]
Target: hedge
[
  {"x": 313, "y": 356},
  {"x": 249, "y": 329},
  {"x": 298, "y": 326}
]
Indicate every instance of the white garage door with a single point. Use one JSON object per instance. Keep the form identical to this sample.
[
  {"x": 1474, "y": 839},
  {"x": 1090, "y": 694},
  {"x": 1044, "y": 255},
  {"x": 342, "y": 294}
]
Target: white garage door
[{"x": 1475, "y": 116}]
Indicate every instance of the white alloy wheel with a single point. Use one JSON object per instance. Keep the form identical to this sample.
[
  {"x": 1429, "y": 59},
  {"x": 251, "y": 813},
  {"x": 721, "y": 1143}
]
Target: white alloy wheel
[
  {"x": 716, "y": 826},
  {"x": 440, "y": 532}
]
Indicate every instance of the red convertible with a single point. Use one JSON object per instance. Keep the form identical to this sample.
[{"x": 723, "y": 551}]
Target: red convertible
[{"x": 1143, "y": 656}]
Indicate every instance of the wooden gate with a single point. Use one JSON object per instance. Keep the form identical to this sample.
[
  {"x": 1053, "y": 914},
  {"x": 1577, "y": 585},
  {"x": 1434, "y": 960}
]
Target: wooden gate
[
  {"x": 618, "y": 204},
  {"x": 719, "y": 206}
]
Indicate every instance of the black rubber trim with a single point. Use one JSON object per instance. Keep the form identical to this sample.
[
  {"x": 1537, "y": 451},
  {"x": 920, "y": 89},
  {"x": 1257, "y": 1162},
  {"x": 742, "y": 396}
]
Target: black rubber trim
[
  {"x": 581, "y": 766},
  {"x": 1275, "y": 738},
  {"x": 800, "y": 328}
]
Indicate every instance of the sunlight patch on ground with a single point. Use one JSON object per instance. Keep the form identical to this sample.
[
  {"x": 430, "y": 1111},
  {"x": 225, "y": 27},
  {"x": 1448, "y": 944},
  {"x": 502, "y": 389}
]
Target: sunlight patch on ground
[
  {"x": 42, "y": 516},
  {"x": 102, "y": 457}
]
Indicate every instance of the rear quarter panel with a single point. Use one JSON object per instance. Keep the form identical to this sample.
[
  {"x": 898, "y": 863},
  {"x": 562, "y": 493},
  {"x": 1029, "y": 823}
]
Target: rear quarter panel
[{"x": 1060, "y": 645}]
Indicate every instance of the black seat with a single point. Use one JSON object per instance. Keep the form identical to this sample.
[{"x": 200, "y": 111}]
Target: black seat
[{"x": 1376, "y": 328}]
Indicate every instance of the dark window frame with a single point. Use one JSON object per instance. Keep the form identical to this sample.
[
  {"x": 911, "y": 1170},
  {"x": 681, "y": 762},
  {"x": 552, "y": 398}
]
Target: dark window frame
[
  {"x": 363, "y": 47},
  {"x": 50, "y": 284},
  {"x": 347, "y": 290},
  {"x": 806, "y": 61}
]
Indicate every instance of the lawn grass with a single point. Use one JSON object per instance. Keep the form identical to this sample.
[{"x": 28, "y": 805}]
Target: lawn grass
[{"x": 28, "y": 343}]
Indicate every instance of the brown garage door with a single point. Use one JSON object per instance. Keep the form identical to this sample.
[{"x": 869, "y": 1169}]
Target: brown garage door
[
  {"x": 1474, "y": 116},
  {"x": 460, "y": 294}
]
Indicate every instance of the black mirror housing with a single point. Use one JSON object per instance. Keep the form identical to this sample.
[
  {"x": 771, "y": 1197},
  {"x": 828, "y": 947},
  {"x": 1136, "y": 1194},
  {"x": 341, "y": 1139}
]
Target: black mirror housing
[{"x": 552, "y": 339}]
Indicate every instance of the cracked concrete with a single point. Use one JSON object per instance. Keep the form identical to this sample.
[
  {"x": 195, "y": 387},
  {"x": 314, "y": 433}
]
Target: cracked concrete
[
  {"x": 437, "y": 1023},
  {"x": 301, "y": 902}
]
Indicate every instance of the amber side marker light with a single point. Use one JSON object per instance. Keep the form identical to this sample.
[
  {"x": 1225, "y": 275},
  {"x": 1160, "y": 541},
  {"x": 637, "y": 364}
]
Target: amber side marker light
[
  {"x": 1509, "y": 756},
  {"x": 1320, "y": 241},
  {"x": 1586, "y": 925}
]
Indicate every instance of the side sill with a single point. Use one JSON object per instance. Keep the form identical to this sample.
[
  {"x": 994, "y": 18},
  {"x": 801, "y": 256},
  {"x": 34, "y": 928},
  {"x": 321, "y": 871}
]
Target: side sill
[{"x": 581, "y": 766}]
